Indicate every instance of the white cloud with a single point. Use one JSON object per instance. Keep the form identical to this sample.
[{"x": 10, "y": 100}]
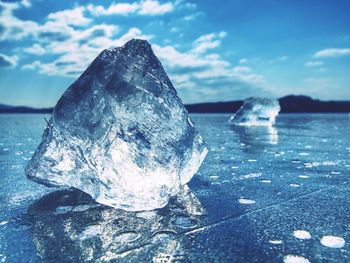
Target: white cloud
[
  {"x": 73, "y": 48},
  {"x": 53, "y": 31},
  {"x": 77, "y": 52},
  {"x": 145, "y": 7},
  {"x": 34, "y": 65},
  {"x": 73, "y": 17},
  {"x": 209, "y": 41},
  {"x": 192, "y": 16},
  {"x": 114, "y": 9},
  {"x": 181, "y": 79},
  {"x": 332, "y": 52},
  {"x": 8, "y": 61},
  {"x": 35, "y": 49},
  {"x": 14, "y": 28},
  {"x": 192, "y": 69},
  {"x": 197, "y": 70},
  {"x": 313, "y": 63},
  {"x": 61, "y": 67},
  {"x": 132, "y": 33},
  {"x": 57, "y": 24},
  {"x": 175, "y": 59},
  {"x": 26, "y": 3},
  {"x": 222, "y": 34},
  {"x": 241, "y": 69},
  {"x": 243, "y": 61},
  {"x": 197, "y": 74},
  {"x": 188, "y": 5},
  {"x": 153, "y": 7}
]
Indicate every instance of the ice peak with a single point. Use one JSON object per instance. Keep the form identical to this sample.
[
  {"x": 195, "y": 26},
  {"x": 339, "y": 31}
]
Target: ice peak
[
  {"x": 138, "y": 46},
  {"x": 135, "y": 42},
  {"x": 134, "y": 47}
]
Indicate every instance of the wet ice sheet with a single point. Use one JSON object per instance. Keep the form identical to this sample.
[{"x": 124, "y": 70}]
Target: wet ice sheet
[{"x": 260, "y": 188}]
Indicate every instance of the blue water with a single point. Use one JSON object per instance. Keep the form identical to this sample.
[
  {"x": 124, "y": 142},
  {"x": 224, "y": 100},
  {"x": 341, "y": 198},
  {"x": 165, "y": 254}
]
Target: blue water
[{"x": 257, "y": 185}]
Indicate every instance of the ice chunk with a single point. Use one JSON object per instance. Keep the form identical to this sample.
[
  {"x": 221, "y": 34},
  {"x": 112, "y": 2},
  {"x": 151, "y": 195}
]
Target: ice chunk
[
  {"x": 302, "y": 234},
  {"x": 333, "y": 241},
  {"x": 256, "y": 111},
  {"x": 295, "y": 259},
  {"x": 120, "y": 133}
]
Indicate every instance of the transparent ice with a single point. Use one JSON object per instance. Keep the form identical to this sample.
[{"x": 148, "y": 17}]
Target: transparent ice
[
  {"x": 120, "y": 133},
  {"x": 256, "y": 112}
]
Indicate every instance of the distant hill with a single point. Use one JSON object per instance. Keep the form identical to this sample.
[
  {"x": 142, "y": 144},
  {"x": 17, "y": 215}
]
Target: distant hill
[
  {"x": 306, "y": 104},
  {"x": 22, "y": 109},
  {"x": 289, "y": 104},
  {"x": 215, "y": 107}
]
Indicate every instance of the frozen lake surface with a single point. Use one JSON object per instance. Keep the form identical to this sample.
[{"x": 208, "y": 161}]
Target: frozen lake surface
[{"x": 271, "y": 194}]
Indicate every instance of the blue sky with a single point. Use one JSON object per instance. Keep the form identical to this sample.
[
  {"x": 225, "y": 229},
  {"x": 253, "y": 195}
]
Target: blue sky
[{"x": 211, "y": 50}]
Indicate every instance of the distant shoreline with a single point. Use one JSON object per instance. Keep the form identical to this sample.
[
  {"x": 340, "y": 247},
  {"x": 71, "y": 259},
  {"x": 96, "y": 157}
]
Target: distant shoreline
[{"x": 289, "y": 104}]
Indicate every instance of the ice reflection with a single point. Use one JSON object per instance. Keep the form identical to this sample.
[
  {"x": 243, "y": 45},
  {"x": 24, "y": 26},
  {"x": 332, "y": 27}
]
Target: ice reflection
[
  {"x": 257, "y": 136},
  {"x": 69, "y": 226}
]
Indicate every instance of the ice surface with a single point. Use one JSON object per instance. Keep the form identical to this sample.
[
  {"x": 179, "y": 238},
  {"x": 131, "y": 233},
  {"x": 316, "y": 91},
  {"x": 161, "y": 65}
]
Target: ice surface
[
  {"x": 120, "y": 133},
  {"x": 228, "y": 232},
  {"x": 256, "y": 112},
  {"x": 103, "y": 233}
]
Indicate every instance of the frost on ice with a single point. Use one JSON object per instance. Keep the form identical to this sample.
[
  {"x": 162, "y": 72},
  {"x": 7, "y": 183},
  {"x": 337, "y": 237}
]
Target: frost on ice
[
  {"x": 120, "y": 133},
  {"x": 256, "y": 112}
]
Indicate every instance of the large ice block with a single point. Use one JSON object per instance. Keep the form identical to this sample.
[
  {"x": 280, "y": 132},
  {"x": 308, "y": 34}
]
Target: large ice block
[{"x": 120, "y": 133}]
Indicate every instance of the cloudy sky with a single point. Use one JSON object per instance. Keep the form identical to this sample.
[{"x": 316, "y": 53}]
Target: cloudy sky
[{"x": 212, "y": 50}]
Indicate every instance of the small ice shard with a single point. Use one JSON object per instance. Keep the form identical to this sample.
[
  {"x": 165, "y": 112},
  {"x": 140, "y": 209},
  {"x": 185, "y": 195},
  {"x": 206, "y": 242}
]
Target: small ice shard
[
  {"x": 266, "y": 181},
  {"x": 256, "y": 112},
  {"x": 295, "y": 259},
  {"x": 332, "y": 241},
  {"x": 246, "y": 201},
  {"x": 302, "y": 234},
  {"x": 190, "y": 202},
  {"x": 276, "y": 242},
  {"x": 120, "y": 133}
]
